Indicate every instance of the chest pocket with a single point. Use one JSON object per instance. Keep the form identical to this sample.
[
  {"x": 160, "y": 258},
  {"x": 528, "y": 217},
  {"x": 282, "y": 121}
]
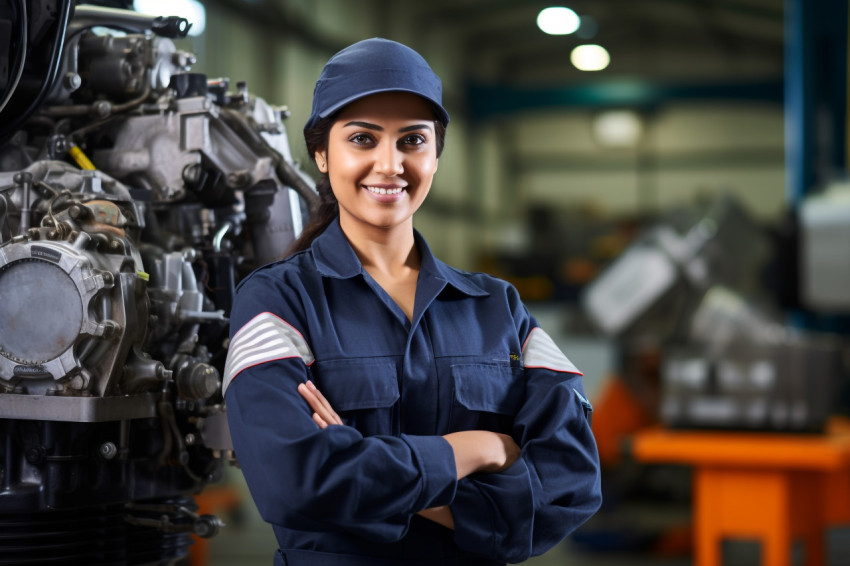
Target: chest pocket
[
  {"x": 363, "y": 392},
  {"x": 486, "y": 396}
]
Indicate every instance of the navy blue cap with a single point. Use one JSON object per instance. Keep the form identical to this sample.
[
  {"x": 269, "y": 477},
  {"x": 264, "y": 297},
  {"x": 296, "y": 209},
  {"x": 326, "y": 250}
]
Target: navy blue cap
[{"x": 372, "y": 66}]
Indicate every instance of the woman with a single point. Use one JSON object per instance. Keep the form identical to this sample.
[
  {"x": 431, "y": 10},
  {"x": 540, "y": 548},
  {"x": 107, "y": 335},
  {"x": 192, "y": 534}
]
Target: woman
[{"x": 388, "y": 409}]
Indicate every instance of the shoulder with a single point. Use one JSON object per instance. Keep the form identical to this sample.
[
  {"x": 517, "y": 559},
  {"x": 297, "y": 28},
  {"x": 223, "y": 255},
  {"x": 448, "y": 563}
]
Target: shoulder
[
  {"x": 294, "y": 268},
  {"x": 490, "y": 284},
  {"x": 284, "y": 288}
]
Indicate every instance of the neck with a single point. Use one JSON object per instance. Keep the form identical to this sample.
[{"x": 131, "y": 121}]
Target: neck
[{"x": 389, "y": 251}]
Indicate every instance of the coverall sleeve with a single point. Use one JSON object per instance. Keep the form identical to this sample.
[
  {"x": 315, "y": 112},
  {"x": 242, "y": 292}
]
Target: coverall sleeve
[
  {"x": 305, "y": 477},
  {"x": 555, "y": 484}
]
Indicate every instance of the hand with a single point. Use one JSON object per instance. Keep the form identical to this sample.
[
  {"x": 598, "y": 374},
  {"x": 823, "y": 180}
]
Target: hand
[
  {"x": 504, "y": 452},
  {"x": 323, "y": 413},
  {"x": 482, "y": 451}
]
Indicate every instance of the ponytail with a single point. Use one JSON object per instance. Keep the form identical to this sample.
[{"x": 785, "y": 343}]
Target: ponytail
[{"x": 327, "y": 210}]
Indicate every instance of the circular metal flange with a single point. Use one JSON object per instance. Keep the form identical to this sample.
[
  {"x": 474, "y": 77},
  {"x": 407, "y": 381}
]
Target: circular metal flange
[{"x": 46, "y": 288}]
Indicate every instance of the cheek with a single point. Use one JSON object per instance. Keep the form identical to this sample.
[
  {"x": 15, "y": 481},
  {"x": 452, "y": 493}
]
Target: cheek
[
  {"x": 426, "y": 168},
  {"x": 346, "y": 168}
]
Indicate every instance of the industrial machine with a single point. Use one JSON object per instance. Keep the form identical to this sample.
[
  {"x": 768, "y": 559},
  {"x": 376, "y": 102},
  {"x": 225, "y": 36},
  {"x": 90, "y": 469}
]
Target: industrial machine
[
  {"x": 134, "y": 194},
  {"x": 692, "y": 289}
]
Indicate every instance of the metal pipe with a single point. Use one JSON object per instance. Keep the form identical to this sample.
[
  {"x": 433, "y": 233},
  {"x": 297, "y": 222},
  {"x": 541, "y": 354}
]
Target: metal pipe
[
  {"x": 90, "y": 16},
  {"x": 24, "y": 179},
  {"x": 220, "y": 234}
]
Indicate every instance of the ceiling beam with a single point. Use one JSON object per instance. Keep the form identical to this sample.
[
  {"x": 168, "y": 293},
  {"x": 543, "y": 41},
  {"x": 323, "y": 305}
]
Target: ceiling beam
[{"x": 488, "y": 101}]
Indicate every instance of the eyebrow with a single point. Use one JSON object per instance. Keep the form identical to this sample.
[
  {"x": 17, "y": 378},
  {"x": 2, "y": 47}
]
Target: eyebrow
[{"x": 370, "y": 126}]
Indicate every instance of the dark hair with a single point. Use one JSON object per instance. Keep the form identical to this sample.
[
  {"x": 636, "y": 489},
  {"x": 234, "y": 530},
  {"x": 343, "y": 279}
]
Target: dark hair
[{"x": 328, "y": 208}]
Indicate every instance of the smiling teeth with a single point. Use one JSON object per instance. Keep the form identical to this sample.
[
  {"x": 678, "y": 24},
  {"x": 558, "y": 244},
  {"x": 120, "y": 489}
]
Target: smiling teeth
[{"x": 380, "y": 191}]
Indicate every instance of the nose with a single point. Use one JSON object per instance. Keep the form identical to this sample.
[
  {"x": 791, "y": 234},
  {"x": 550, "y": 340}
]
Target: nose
[{"x": 389, "y": 160}]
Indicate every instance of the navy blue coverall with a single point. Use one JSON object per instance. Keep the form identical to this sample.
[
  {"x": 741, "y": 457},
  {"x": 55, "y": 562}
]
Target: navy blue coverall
[{"x": 472, "y": 358}]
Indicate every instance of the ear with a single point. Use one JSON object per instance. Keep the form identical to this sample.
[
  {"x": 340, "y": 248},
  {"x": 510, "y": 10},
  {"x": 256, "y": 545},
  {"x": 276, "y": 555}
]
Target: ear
[{"x": 321, "y": 158}]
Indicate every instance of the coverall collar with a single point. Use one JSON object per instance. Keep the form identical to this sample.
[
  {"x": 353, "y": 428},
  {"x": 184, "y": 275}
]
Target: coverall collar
[{"x": 335, "y": 258}]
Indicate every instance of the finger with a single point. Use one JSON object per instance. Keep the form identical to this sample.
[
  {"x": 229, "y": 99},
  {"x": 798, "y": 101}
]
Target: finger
[
  {"x": 308, "y": 396},
  {"x": 322, "y": 399},
  {"x": 334, "y": 417},
  {"x": 320, "y": 421},
  {"x": 309, "y": 392},
  {"x": 312, "y": 401}
]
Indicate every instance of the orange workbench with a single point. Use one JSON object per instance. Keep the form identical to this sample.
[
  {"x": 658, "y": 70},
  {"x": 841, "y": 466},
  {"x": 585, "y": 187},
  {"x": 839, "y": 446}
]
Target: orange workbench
[{"x": 771, "y": 487}]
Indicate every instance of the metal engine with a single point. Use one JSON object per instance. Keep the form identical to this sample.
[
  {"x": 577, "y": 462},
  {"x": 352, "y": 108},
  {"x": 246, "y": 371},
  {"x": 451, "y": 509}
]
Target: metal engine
[
  {"x": 134, "y": 194},
  {"x": 692, "y": 287}
]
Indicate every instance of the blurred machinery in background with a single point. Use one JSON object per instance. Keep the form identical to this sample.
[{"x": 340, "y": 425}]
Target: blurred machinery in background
[
  {"x": 691, "y": 289},
  {"x": 134, "y": 194},
  {"x": 825, "y": 250}
]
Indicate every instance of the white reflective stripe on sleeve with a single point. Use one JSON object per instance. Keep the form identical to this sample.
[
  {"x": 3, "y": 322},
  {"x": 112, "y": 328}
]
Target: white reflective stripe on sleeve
[
  {"x": 540, "y": 351},
  {"x": 264, "y": 338}
]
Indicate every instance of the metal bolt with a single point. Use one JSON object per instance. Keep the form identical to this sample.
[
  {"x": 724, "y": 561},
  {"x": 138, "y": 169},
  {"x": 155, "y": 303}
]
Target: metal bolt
[
  {"x": 60, "y": 145},
  {"x": 190, "y": 439},
  {"x": 207, "y": 526},
  {"x": 78, "y": 382},
  {"x": 108, "y": 450},
  {"x": 35, "y": 454},
  {"x": 23, "y": 177},
  {"x": 190, "y": 255},
  {"x": 192, "y": 173},
  {"x": 102, "y": 109},
  {"x": 72, "y": 80},
  {"x": 79, "y": 211}
]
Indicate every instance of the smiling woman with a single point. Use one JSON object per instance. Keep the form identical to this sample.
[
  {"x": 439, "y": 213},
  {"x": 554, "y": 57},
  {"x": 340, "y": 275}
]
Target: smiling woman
[
  {"x": 381, "y": 159},
  {"x": 387, "y": 408}
]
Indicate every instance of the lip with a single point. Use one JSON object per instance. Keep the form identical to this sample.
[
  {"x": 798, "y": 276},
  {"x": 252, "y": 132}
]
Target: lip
[{"x": 388, "y": 197}]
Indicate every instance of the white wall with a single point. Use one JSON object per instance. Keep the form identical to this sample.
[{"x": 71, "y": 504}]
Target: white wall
[{"x": 688, "y": 149}]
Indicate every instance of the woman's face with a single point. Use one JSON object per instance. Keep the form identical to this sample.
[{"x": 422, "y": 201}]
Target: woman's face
[{"x": 381, "y": 159}]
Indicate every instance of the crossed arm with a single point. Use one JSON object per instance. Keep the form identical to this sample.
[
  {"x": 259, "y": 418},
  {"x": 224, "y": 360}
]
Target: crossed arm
[{"x": 474, "y": 450}]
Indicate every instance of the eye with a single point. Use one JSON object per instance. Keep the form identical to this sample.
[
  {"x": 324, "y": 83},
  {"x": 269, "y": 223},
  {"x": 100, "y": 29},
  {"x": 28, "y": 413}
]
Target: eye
[
  {"x": 414, "y": 139},
  {"x": 361, "y": 139}
]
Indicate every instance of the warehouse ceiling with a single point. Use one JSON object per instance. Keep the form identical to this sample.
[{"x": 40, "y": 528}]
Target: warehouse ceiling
[
  {"x": 658, "y": 40},
  {"x": 669, "y": 40},
  {"x": 700, "y": 40}
]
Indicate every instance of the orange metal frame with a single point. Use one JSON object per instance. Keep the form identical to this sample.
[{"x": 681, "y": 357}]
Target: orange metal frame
[{"x": 774, "y": 488}]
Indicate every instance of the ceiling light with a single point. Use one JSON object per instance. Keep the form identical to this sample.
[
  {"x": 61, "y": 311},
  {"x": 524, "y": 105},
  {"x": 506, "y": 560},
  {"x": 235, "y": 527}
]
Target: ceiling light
[
  {"x": 192, "y": 10},
  {"x": 558, "y": 21},
  {"x": 617, "y": 128},
  {"x": 590, "y": 57}
]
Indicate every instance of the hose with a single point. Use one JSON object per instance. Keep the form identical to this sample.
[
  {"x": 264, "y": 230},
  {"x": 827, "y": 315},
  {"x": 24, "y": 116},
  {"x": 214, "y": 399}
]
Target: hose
[
  {"x": 52, "y": 70},
  {"x": 22, "y": 53}
]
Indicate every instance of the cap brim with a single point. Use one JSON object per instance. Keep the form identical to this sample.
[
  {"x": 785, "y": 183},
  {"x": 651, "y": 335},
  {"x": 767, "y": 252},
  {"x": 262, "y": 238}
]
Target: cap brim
[{"x": 442, "y": 114}]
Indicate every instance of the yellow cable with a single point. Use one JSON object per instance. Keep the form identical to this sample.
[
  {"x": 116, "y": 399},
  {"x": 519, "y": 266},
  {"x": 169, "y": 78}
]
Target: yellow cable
[{"x": 81, "y": 158}]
